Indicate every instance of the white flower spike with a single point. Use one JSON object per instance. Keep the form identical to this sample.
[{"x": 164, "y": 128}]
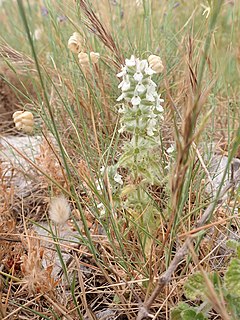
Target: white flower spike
[{"x": 141, "y": 91}]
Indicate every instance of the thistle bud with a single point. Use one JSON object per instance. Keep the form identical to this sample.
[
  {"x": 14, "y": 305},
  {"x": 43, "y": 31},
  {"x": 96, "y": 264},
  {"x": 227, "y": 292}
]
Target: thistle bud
[{"x": 155, "y": 63}]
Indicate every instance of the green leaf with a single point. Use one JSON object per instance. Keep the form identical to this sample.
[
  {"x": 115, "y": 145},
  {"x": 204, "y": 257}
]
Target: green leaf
[
  {"x": 192, "y": 314},
  {"x": 233, "y": 306},
  {"x": 232, "y": 278},
  {"x": 176, "y": 312},
  {"x": 195, "y": 286},
  {"x": 184, "y": 312},
  {"x": 232, "y": 244}
]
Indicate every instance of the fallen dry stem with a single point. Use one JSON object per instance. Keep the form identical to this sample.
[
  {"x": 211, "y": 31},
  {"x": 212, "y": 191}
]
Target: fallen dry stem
[
  {"x": 61, "y": 309},
  {"x": 165, "y": 278},
  {"x": 204, "y": 227}
]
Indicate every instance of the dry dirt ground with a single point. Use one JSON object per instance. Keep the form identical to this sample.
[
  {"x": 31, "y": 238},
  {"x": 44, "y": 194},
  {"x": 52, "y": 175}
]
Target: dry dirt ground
[{"x": 9, "y": 100}]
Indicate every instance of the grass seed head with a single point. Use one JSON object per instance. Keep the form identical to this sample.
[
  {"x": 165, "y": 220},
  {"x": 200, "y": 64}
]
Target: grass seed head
[{"x": 59, "y": 210}]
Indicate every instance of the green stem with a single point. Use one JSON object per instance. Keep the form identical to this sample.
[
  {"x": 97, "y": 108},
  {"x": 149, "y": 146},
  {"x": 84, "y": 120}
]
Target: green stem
[
  {"x": 147, "y": 14},
  {"x": 136, "y": 172}
]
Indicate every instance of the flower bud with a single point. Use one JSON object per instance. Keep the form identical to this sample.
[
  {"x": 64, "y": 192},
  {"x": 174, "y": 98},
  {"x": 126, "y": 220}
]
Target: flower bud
[
  {"x": 24, "y": 121},
  {"x": 74, "y": 42},
  {"x": 155, "y": 63}
]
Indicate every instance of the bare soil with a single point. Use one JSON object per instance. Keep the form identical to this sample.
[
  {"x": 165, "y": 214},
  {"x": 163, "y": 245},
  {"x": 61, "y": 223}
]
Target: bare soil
[{"x": 10, "y": 101}]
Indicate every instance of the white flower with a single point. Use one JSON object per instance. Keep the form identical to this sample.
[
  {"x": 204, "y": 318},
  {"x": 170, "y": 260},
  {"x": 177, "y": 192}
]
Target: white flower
[
  {"x": 158, "y": 104},
  {"x": 149, "y": 71},
  {"x": 150, "y": 97},
  {"x": 130, "y": 62},
  {"x": 59, "y": 210},
  {"x": 138, "y": 76},
  {"x": 142, "y": 65},
  {"x": 135, "y": 100},
  {"x": 102, "y": 170},
  {"x": 102, "y": 209},
  {"x": 159, "y": 108},
  {"x": 151, "y": 88},
  {"x": 155, "y": 63},
  {"x": 122, "y": 73},
  {"x": 125, "y": 84},
  {"x": 122, "y": 109},
  {"x": 118, "y": 178},
  {"x": 140, "y": 87},
  {"x": 151, "y": 127},
  {"x": 122, "y": 96},
  {"x": 122, "y": 129},
  {"x": 170, "y": 149}
]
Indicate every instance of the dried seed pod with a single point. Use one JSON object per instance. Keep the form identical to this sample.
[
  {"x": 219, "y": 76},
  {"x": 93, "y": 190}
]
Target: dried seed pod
[
  {"x": 94, "y": 56},
  {"x": 155, "y": 62},
  {"x": 74, "y": 42},
  {"x": 24, "y": 121},
  {"x": 84, "y": 58}
]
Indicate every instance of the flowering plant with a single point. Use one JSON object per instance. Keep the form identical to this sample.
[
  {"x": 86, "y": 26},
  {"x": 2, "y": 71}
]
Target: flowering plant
[{"x": 141, "y": 114}]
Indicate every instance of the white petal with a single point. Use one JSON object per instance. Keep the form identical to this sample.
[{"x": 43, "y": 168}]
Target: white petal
[
  {"x": 118, "y": 178},
  {"x": 122, "y": 129},
  {"x": 130, "y": 62},
  {"x": 170, "y": 149},
  {"x": 122, "y": 96},
  {"x": 138, "y": 76},
  {"x": 143, "y": 65},
  {"x": 122, "y": 73},
  {"x": 122, "y": 109},
  {"x": 150, "y": 97},
  {"x": 126, "y": 86},
  {"x": 136, "y": 100},
  {"x": 152, "y": 83},
  {"x": 149, "y": 71},
  {"x": 150, "y": 132},
  {"x": 141, "y": 88},
  {"x": 159, "y": 108}
]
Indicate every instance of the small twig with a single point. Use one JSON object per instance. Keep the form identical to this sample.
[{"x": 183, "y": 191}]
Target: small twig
[
  {"x": 165, "y": 278},
  {"x": 10, "y": 240},
  {"x": 58, "y": 307}
]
